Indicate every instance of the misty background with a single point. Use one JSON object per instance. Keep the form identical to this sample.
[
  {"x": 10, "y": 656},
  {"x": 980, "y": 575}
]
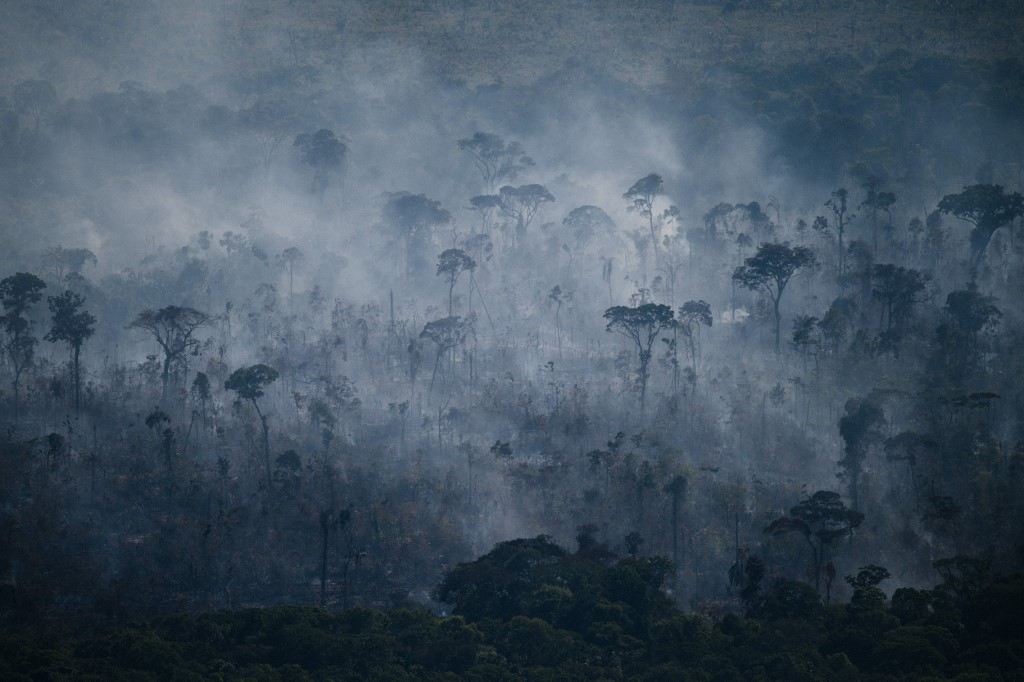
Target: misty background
[{"x": 295, "y": 170}]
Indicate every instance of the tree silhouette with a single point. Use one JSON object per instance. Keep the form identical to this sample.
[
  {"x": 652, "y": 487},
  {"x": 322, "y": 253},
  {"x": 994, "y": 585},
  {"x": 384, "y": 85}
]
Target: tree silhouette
[
  {"x": 484, "y": 206},
  {"x": 446, "y": 334},
  {"x": 838, "y": 225},
  {"x": 770, "y": 269},
  {"x": 270, "y": 122},
  {"x": 72, "y": 325},
  {"x": 642, "y": 324},
  {"x": 174, "y": 329},
  {"x": 414, "y": 218},
  {"x": 291, "y": 257},
  {"x": 584, "y": 224},
  {"x": 496, "y": 159},
  {"x": 860, "y": 428},
  {"x": 324, "y": 153},
  {"x": 248, "y": 383},
  {"x": 823, "y": 520},
  {"x": 692, "y": 316},
  {"x": 17, "y": 294},
  {"x": 988, "y": 208},
  {"x": 452, "y": 263},
  {"x": 875, "y": 201},
  {"x": 522, "y": 204},
  {"x": 897, "y": 290},
  {"x": 62, "y": 263},
  {"x": 641, "y": 197}
]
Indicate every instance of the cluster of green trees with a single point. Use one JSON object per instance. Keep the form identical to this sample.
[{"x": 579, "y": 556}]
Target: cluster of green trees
[{"x": 529, "y": 609}]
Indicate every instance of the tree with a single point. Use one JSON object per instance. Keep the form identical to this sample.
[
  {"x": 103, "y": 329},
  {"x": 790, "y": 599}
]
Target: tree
[
  {"x": 898, "y": 290},
  {"x": 62, "y": 263},
  {"x": 201, "y": 393},
  {"x": 496, "y": 584},
  {"x": 325, "y": 153},
  {"x": 452, "y": 263},
  {"x": 677, "y": 251},
  {"x": 642, "y": 195},
  {"x": 806, "y": 336},
  {"x": 823, "y": 520},
  {"x": 74, "y": 326},
  {"x": 860, "y": 427},
  {"x": 584, "y": 224},
  {"x": 496, "y": 159},
  {"x": 693, "y": 315},
  {"x": 558, "y": 297},
  {"x": 414, "y": 217},
  {"x": 876, "y": 201},
  {"x": 988, "y": 208},
  {"x": 677, "y": 489},
  {"x": 838, "y": 226},
  {"x": 174, "y": 328},
  {"x": 642, "y": 324},
  {"x": 269, "y": 121},
  {"x": 291, "y": 257},
  {"x": 248, "y": 383},
  {"x": 972, "y": 311},
  {"x": 36, "y": 99},
  {"x": 522, "y": 204},
  {"x": 447, "y": 334},
  {"x": 154, "y": 421},
  {"x": 770, "y": 269},
  {"x": 484, "y": 206},
  {"x": 17, "y": 293}
]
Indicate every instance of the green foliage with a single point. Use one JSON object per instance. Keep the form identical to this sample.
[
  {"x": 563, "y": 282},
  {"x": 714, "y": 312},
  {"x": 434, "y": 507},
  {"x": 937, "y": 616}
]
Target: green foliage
[
  {"x": 770, "y": 269},
  {"x": 249, "y": 382},
  {"x": 988, "y": 208},
  {"x": 495, "y": 158},
  {"x": 789, "y": 634},
  {"x": 324, "y": 153}
]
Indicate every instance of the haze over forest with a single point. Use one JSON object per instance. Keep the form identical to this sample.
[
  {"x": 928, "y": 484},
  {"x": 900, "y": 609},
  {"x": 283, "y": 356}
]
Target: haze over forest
[{"x": 309, "y": 302}]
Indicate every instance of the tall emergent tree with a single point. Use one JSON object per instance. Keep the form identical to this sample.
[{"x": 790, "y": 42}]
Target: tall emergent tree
[
  {"x": 988, "y": 208},
  {"x": 17, "y": 293},
  {"x": 583, "y": 225},
  {"x": 642, "y": 324},
  {"x": 325, "y": 153},
  {"x": 897, "y": 290},
  {"x": 290, "y": 257},
  {"x": 641, "y": 195},
  {"x": 63, "y": 263},
  {"x": 73, "y": 325},
  {"x": 838, "y": 225},
  {"x": 446, "y": 334},
  {"x": 270, "y": 122},
  {"x": 452, "y": 263},
  {"x": 875, "y": 201},
  {"x": 496, "y": 159},
  {"x": 692, "y": 316},
  {"x": 860, "y": 426},
  {"x": 174, "y": 329},
  {"x": 522, "y": 204},
  {"x": 413, "y": 218},
  {"x": 248, "y": 383},
  {"x": 823, "y": 520},
  {"x": 770, "y": 269},
  {"x": 484, "y": 206}
]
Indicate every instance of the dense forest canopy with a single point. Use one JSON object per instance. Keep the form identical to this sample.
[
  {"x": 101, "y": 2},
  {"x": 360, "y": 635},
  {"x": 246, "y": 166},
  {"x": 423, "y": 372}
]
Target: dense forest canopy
[{"x": 335, "y": 303}]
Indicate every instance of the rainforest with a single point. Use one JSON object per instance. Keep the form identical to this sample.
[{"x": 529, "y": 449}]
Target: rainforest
[{"x": 661, "y": 340}]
